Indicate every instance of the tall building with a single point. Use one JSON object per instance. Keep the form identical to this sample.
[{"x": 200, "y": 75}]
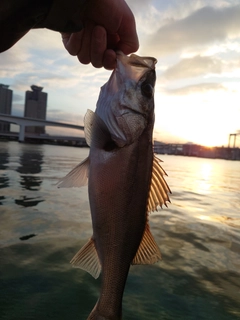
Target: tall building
[
  {"x": 35, "y": 107},
  {"x": 5, "y": 105}
]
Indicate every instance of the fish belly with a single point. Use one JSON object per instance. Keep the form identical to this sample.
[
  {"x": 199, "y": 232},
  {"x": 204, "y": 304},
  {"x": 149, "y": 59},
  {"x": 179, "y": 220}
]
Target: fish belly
[{"x": 118, "y": 191}]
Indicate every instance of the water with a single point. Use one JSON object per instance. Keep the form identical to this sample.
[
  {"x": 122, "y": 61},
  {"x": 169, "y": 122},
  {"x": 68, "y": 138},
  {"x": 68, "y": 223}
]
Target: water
[{"x": 199, "y": 237}]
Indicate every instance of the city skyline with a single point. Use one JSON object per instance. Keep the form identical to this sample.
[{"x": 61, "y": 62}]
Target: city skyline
[
  {"x": 35, "y": 107},
  {"x": 197, "y": 46},
  {"x": 5, "y": 105}
]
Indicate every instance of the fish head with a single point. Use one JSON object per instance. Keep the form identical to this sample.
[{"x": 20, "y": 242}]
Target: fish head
[{"x": 126, "y": 101}]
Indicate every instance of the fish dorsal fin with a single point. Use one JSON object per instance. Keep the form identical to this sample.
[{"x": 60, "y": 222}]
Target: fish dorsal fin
[
  {"x": 87, "y": 259},
  {"x": 159, "y": 188},
  {"x": 96, "y": 132},
  {"x": 78, "y": 177},
  {"x": 148, "y": 251}
]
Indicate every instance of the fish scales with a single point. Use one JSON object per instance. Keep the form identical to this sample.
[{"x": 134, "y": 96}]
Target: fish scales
[
  {"x": 118, "y": 238},
  {"x": 120, "y": 171}
]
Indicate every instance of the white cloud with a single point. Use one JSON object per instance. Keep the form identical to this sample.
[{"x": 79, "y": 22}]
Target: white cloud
[
  {"x": 45, "y": 40},
  {"x": 204, "y": 26},
  {"x": 138, "y": 5},
  {"x": 17, "y": 97},
  {"x": 196, "y": 88},
  {"x": 40, "y": 58},
  {"x": 13, "y": 61},
  {"x": 193, "y": 67},
  {"x": 17, "y": 109},
  {"x": 59, "y": 115},
  {"x": 198, "y": 50}
]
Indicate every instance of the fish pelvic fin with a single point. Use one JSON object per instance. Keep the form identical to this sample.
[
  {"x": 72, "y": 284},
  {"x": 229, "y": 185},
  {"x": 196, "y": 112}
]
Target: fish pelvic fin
[
  {"x": 96, "y": 132},
  {"x": 77, "y": 177},
  {"x": 87, "y": 259},
  {"x": 148, "y": 251},
  {"x": 159, "y": 189}
]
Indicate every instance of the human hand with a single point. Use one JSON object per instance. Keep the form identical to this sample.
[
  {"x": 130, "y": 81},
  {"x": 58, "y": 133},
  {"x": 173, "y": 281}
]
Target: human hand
[{"x": 109, "y": 25}]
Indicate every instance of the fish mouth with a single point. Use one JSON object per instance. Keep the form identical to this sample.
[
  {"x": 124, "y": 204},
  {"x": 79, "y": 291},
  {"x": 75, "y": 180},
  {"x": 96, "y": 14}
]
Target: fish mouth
[
  {"x": 137, "y": 61},
  {"x": 133, "y": 67}
]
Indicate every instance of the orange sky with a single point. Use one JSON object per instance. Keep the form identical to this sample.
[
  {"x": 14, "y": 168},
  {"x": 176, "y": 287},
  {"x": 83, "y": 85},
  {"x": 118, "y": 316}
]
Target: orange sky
[{"x": 197, "y": 92}]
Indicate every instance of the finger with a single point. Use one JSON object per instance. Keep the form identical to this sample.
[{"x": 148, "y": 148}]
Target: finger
[
  {"x": 112, "y": 41},
  {"x": 84, "y": 55},
  {"x": 109, "y": 59},
  {"x": 127, "y": 33},
  {"x": 128, "y": 41},
  {"x": 98, "y": 46},
  {"x": 72, "y": 42}
]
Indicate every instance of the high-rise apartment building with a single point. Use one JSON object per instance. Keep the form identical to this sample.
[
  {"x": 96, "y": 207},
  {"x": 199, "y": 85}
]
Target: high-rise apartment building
[
  {"x": 35, "y": 107},
  {"x": 5, "y": 105}
]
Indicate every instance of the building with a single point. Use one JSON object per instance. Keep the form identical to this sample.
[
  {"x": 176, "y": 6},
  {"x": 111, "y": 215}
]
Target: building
[
  {"x": 5, "y": 105},
  {"x": 35, "y": 107}
]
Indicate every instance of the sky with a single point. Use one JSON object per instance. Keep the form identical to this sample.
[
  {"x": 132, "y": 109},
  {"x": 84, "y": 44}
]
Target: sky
[{"x": 197, "y": 94}]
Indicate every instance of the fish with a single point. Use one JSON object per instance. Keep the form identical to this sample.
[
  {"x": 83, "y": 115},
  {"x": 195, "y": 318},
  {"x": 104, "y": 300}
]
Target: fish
[{"x": 125, "y": 181}]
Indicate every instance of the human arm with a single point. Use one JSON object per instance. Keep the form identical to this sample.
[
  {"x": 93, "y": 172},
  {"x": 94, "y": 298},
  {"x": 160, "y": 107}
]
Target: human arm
[
  {"x": 91, "y": 29},
  {"x": 17, "y": 17}
]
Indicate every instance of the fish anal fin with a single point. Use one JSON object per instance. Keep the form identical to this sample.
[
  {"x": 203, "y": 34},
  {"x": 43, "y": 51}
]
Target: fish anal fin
[
  {"x": 148, "y": 251},
  {"x": 87, "y": 259},
  {"x": 77, "y": 177}
]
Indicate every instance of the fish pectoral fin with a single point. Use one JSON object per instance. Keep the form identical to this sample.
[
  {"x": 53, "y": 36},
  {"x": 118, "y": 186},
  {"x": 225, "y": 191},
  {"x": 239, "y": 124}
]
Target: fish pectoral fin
[
  {"x": 96, "y": 132},
  {"x": 159, "y": 189},
  {"x": 148, "y": 251},
  {"x": 87, "y": 259},
  {"x": 78, "y": 177}
]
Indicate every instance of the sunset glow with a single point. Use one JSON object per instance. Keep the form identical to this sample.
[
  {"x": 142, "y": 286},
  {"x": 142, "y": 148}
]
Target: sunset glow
[{"x": 197, "y": 91}]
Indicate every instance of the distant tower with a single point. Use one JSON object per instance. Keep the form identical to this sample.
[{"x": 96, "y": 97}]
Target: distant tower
[
  {"x": 5, "y": 105},
  {"x": 35, "y": 107}
]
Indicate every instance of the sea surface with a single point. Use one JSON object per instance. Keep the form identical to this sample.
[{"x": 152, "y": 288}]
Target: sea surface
[{"x": 42, "y": 227}]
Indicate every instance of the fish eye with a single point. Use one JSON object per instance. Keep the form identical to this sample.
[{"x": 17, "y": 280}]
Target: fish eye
[{"x": 147, "y": 90}]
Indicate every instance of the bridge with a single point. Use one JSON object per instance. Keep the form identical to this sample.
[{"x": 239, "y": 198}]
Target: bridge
[
  {"x": 234, "y": 135},
  {"x": 24, "y": 122}
]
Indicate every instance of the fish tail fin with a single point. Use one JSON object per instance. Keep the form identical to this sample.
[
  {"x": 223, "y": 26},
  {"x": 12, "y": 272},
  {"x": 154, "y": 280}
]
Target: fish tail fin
[{"x": 95, "y": 315}]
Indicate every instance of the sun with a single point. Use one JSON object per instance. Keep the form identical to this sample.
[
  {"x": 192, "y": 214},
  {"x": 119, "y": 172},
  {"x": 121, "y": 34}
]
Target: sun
[{"x": 195, "y": 119}]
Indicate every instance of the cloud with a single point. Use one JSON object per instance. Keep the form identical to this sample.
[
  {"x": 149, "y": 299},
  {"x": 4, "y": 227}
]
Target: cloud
[
  {"x": 38, "y": 56},
  {"x": 59, "y": 115},
  {"x": 204, "y": 26},
  {"x": 202, "y": 66},
  {"x": 13, "y": 61},
  {"x": 193, "y": 67},
  {"x": 196, "y": 88},
  {"x": 17, "y": 109},
  {"x": 137, "y": 5},
  {"x": 47, "y": 41},
  {"x": 17, "y": 97},
  {"x": 68, "y": 83}
]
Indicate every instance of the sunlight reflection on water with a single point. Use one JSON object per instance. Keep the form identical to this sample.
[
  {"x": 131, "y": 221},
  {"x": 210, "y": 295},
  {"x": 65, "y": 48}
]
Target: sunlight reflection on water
[{"x": 198, "y": 234}]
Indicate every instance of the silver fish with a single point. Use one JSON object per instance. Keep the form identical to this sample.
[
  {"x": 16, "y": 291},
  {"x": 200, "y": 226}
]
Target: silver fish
[{"x": 125, "y": 181}]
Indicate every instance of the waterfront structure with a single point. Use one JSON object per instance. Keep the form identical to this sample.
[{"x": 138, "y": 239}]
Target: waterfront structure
[
  {"x": 195, "y": 150},
  {"x": 5, "y": 106},
  {"x": 35, "y": 108},
  {"x": 24, "y": 122}
]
